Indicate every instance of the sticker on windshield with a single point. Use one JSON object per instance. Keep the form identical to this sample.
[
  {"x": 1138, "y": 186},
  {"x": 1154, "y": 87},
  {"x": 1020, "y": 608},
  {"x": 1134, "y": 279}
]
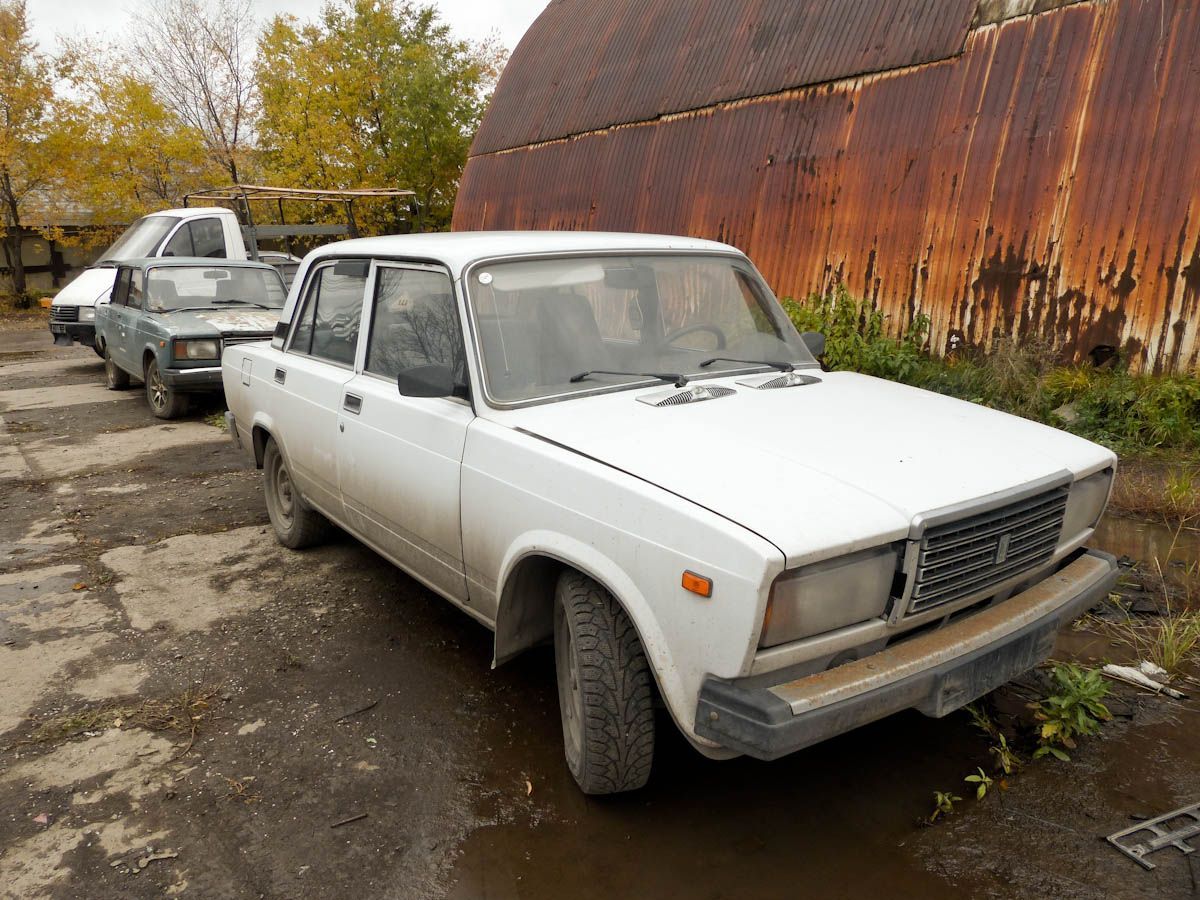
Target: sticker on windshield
[{"x": 485, "y": 277}]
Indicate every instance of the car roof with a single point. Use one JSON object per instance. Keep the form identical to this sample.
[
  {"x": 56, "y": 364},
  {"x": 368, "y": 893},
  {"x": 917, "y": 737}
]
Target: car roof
[
  {"x": 459, "y": 249},
  {"x": 193, "y": 262}
]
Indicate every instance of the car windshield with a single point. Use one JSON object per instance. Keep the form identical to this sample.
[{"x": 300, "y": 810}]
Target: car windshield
[
  {"x": 186, "y": 287},
  {"x": 140, "y": 239},
  {"x": 556, "y": 327}
]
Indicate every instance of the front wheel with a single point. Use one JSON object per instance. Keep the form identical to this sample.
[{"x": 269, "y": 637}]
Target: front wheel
[
  {"x": 296, "y": 524},
  {"x": 115, "y": 378},
  {"x": 605, "y": 690},
  {"x": 165, "y": 402}
]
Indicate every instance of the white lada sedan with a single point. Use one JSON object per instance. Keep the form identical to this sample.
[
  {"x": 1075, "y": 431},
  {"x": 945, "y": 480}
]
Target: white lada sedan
[{"x": 620, "y": 444}]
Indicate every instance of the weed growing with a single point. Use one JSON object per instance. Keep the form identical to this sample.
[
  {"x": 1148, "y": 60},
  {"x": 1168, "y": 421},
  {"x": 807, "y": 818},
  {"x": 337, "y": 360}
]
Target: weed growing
[{"x": 1074, "y": 710}]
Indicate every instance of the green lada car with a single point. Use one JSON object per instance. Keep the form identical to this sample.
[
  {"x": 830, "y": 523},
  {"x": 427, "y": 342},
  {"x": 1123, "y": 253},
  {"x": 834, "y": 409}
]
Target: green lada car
[{"x": 169, "y": 320}]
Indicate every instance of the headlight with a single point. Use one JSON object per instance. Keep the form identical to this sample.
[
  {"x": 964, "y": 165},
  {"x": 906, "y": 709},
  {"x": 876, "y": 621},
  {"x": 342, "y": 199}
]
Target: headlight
[
  {"x": 207, "y": 349},
  {"x": 828, "y": 595},
  {"x": 1085, "y": 504},
  {"x": 87, "y": 314}
]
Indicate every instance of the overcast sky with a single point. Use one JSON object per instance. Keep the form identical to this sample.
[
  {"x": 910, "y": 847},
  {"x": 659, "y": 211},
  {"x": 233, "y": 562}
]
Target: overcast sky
[{"x": 476, "y": 19}]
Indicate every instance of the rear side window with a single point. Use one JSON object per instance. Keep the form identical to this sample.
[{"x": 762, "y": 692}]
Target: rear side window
[
  {"x": 120, "y": 291},
  {"x": 329, "y": 321},
  {"x": 414, "y": 322},
  {"x": 135, "y": 288}
]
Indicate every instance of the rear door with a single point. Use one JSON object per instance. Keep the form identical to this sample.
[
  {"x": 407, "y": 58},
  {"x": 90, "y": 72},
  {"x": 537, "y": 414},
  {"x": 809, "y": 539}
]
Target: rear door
[
  {"x": 126, "y": 350},
  {"x": 317, "y": 362},
  {"x": 400, "y": 457}
]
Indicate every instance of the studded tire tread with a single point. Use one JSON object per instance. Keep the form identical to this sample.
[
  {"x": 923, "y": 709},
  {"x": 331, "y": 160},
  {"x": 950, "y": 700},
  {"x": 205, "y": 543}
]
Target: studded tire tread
[{"x": 616, "y": 687}]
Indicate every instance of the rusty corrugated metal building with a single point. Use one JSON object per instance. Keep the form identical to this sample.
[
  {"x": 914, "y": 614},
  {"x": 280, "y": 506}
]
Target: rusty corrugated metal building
[{"x": 1014, "y": 166}]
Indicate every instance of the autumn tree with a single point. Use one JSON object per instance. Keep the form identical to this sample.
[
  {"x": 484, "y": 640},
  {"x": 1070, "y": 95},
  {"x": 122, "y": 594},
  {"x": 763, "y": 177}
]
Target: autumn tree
[
  {"x": 38, "y": 133},
  {"x": 199, "y": 56},
  {"x": 140, "y": 155},
  {"x": 373, "y": 93}
]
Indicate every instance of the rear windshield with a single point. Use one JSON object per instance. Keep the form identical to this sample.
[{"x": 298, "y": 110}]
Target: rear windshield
[
  {"x": 202, "y": 287},
  {"x": 140, "y": 239}
]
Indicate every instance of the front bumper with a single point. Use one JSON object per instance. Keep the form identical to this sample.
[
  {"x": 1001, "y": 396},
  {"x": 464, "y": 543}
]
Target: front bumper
[
  {"x": 66, "y": 333},
  {"x": 187, "y": 380},
  {"x": 936, "y": 672}
]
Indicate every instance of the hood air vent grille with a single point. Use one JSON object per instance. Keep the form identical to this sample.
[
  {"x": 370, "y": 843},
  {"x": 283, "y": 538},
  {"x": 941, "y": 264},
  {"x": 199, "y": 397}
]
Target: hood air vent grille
[
  {"x": 693, "y": 394},
  {"x": 785, "y": 380}
]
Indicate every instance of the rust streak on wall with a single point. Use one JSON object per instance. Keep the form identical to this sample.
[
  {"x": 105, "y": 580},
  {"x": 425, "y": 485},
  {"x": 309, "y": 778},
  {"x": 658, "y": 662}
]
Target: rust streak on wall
[{"x": 1041, "y": 179}]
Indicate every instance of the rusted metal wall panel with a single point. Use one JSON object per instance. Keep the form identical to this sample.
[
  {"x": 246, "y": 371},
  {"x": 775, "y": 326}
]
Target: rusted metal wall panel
[
  {"x": 1044, "y": 182},
  {"x": 585, "y": 65}
]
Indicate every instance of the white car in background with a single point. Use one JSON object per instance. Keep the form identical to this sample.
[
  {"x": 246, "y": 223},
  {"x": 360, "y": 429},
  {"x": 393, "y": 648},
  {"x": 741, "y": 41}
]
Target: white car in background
[{"x": 620, "y": 444}]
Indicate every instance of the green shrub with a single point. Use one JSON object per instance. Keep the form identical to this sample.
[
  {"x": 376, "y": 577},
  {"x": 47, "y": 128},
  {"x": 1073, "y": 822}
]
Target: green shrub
[
  {"x": 855, "y": 336},
  {"x": 1126, "y": 412}
]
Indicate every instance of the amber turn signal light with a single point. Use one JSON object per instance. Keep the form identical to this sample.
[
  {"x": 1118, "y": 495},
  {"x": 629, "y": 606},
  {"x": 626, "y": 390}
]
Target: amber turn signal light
[{"x": 697, "y": 584}]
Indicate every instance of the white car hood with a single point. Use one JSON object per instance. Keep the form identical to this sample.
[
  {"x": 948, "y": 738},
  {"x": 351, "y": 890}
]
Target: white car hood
[
  {"x": 90, "y": 286},
  {"x": 819, "y": 469}
]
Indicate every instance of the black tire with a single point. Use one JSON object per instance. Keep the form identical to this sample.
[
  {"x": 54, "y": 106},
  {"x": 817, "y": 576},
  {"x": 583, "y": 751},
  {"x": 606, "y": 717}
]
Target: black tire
[
  {"x": 605, "y": 689},
  {"x": 165, "y": 402},
  {"x": 115, "y": 378},
  {"x": 297, "y": 525}
]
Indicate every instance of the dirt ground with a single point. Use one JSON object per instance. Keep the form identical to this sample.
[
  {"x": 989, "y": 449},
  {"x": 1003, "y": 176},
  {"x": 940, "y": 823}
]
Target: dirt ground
[{"x": 187, "y": 709}]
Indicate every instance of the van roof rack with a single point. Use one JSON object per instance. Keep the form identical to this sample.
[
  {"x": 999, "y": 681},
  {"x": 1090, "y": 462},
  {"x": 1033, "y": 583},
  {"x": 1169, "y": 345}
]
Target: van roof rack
[{"x": 245, "y": 194}]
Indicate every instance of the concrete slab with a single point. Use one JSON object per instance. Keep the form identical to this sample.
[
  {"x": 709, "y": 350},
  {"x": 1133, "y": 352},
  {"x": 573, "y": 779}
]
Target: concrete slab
[
  {"x": 56, "y": 396},
  {"x": 49, "y": 457}
]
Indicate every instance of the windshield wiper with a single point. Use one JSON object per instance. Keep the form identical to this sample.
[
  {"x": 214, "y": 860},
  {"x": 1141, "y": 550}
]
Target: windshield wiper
[
  {"x": 244, "y": 303},
  {"x": 781, "y": 366},
  {"x": 680, "y": 380}
]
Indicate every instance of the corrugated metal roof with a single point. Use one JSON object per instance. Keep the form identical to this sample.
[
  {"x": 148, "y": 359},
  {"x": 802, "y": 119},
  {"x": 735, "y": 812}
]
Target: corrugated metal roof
[
  {"x": 585, "y": 65},
  {"x": 1043, "y": 182}
]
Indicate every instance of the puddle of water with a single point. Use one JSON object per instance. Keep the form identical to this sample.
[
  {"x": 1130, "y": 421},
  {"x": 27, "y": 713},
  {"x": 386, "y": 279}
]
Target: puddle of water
[{"x": 1147, "y": 541}]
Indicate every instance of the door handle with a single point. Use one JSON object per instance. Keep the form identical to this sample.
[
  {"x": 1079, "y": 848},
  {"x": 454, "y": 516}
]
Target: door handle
[
  {"x": 352, "y": 403},
  {"x": 280, "y": 376}
]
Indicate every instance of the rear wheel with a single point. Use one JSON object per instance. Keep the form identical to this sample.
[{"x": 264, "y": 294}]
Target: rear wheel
[
  {"x": 605, "y": 691},
  {"x": 165, "y": 402},
  {"x": 296, "y": 524},
  {"x": 115, "y": 378}
]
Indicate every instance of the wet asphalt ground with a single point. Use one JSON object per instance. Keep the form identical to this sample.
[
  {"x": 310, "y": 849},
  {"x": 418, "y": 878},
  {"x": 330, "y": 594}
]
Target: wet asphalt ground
[{"x": 187, "y": 709}]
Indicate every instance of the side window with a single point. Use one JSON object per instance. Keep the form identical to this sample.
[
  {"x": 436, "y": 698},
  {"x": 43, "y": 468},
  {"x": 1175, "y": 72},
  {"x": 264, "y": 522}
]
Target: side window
[
  {"x": 120, "y": 291},
  {"x": 414, "y": 322},
  {"x": 208, "y": 238},
  {"x": 328, "y": 325},
  {"x": 135, "y": 288},
  {"x": 180, "y": 243}
]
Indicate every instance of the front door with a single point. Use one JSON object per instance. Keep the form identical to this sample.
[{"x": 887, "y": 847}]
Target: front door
[{"x": 400, "y": 457}]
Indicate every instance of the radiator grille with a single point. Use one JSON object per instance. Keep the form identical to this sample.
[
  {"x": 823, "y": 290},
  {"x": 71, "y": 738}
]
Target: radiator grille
[
  {"x": 965, "y": 557},
  {"x": 64, "y": 313}
]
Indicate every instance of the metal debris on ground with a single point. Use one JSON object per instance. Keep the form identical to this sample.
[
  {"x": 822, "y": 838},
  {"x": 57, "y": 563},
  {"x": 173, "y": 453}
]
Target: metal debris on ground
[
  {"x": 342, "y": 822},
  {"x": 1167, "y": 833}
]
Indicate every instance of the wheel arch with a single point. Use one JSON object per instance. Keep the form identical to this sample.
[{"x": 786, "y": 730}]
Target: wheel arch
[
  {"x": 262, "y": 429},
  {"x": 525, "y": 606}
]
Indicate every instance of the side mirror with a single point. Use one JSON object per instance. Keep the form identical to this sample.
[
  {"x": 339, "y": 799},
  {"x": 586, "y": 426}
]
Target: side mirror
[
  {"x": 815, "y": 342},
  {"x": 426, "y": 381}
]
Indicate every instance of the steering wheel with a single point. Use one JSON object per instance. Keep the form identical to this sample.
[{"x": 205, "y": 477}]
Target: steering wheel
[{"x": 692, "y": 329}]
